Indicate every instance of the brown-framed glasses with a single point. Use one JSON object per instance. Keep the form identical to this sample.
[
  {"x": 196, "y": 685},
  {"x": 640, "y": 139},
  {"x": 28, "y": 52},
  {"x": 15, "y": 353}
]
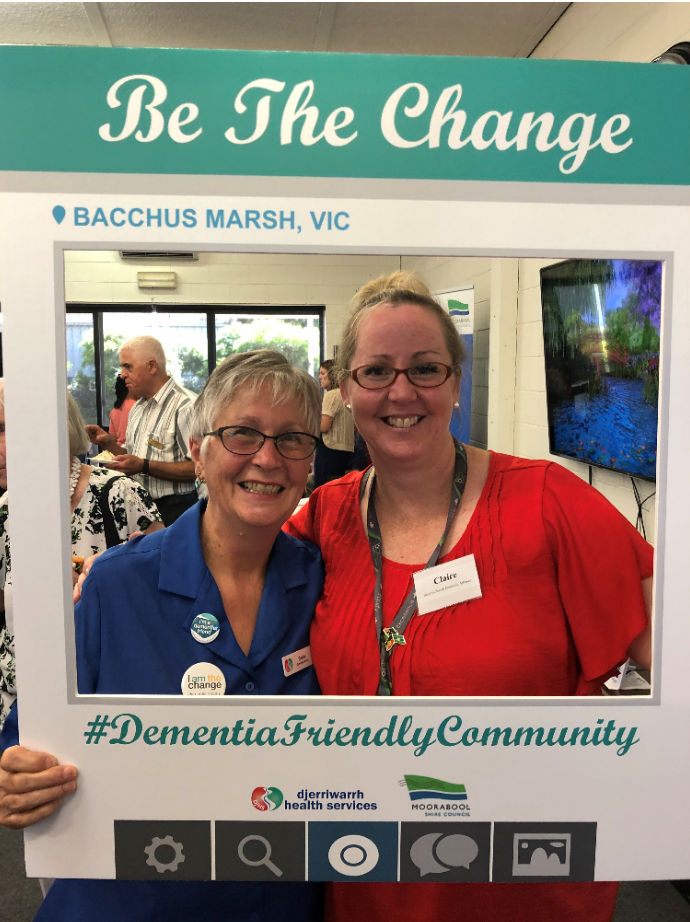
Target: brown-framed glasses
[
  {"x": 243, "y": 440},
  {"x": 426, "y": 374}
]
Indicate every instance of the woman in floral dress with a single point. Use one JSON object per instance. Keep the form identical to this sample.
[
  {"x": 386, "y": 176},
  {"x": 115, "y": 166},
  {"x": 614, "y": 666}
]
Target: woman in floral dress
[{"x": 107, "y": 508}]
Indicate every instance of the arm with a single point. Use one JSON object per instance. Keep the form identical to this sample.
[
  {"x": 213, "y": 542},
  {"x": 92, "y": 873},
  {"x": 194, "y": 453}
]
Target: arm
[
  {"x": 104, "y": 440},
  {"x": 178, "y": 471},
  {"x": 326, "y": 423},
  {"x": 641, "y": 648}
]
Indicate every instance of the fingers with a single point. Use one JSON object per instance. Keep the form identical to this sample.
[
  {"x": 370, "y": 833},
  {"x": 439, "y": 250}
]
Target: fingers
[
  {"x": 32, "y": 786},
  {"x": 23, "y": 820}
]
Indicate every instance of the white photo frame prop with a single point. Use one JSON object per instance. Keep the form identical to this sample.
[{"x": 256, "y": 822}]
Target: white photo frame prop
[{"x": 358, "y": 155}]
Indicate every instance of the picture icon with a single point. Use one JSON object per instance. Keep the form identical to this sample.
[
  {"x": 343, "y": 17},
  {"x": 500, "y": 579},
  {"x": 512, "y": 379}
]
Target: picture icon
[
  {"x": 541, "y": 854},
  {"x": 353, "y": 855},
  {"x": 435, "y": 853}
]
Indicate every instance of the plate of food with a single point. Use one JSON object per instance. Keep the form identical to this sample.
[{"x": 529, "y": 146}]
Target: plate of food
[{"x": 105, "y": 457}]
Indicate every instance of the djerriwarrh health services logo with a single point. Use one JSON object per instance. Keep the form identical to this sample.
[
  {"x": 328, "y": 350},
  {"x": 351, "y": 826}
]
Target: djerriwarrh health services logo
[{"x": 266, "y": 798}]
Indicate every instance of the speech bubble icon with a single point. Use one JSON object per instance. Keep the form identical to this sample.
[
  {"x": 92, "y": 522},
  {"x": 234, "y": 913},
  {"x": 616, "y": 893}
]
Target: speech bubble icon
[
  {"x": 422, "y": 854},
  {"x": 458, "y": 851}
]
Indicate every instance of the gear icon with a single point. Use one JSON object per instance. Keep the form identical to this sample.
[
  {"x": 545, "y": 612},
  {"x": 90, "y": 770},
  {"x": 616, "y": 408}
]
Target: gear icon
[{"x": 160, "y": 866}]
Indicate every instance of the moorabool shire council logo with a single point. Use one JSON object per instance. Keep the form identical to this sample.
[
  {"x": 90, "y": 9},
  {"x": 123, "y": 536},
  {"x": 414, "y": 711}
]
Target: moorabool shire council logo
[
  {"x": 266, "y": 798},
  {"x": 436, "y": 797}
]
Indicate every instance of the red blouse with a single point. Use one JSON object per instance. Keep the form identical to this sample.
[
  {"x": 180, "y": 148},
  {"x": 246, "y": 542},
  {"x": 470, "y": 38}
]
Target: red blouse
[{"x": 560, "y": 571}]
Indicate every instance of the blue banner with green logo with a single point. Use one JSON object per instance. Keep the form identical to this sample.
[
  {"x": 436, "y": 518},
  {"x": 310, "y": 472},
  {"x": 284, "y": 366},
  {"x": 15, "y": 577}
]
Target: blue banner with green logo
[{"x": 342, "y": 115}]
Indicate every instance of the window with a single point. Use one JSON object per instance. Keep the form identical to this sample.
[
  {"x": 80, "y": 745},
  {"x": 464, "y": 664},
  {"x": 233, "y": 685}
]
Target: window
[{"x": 194, "y": 339}]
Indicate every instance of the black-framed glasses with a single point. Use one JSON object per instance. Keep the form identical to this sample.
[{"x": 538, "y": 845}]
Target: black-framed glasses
[
  {"x": 242, "y": 440},
  {"x": 426, "y": 374}
]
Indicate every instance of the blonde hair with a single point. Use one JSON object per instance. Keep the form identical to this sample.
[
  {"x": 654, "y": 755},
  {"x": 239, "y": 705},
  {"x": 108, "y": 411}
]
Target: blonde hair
[
  {"x": 253, "y": 369},
  {"x": 147, "y": 347},
  {"x": 393, "y": 290},
  {"x": 78, "y": 437}
]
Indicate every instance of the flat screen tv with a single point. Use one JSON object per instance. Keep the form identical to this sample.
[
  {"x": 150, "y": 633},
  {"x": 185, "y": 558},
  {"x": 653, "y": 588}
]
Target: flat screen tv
[{"x": 601, "y": 347}]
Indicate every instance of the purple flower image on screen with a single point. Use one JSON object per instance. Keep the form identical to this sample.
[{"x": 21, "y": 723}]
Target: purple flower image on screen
[{"x": 602, "y": 324}]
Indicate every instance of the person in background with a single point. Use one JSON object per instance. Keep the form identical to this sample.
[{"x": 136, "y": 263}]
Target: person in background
[
  {"x": 227, "y": 564},
  {"x": 156, "y": 450},
  {"x": 563, "y": 591},
  {"x": 107, "y": 509},
  {"x": 334, "y": 454},
  {"x": 7, "y": 670},
  {"x": 120, "y": 411}
]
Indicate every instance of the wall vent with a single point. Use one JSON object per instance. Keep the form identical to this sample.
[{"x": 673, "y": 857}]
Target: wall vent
[{"x": 165, "y": 255}]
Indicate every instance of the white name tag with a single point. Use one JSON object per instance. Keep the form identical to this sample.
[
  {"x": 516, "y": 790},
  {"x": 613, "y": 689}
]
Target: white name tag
[
  {"x": 447, "y": 584},
  {"x": 295, "y": 662}
]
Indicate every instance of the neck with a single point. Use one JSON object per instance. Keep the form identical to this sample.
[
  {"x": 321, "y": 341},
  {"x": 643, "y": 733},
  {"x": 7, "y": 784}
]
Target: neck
[
  {"x": 231, "y": 547},
  {"x": 156, "y": 384},
  {"x": 419, "y": 484}
]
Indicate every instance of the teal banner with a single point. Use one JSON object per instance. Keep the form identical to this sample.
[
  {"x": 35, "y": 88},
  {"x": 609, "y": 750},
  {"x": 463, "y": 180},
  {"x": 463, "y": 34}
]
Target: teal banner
[{"x": 96, "y": 110}]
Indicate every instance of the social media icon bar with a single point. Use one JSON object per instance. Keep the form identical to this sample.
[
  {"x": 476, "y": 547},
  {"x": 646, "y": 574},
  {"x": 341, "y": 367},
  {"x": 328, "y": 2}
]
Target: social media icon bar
[
  {"x": 445, "y": 852},
  {"x": 542, "y": 852},
  {"x": 162, "y": 850},
  {"x": 353, "y": 851},
  {"x": 260, "y": 851}
]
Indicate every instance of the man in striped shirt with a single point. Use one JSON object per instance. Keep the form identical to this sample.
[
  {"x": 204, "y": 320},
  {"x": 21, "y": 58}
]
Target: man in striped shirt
[{"x": 156, "y": 449}]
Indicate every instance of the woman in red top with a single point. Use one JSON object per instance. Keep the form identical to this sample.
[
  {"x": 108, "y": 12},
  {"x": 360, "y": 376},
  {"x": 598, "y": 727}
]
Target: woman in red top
[
  {"x": 564, "y": 577},
  {"x": 120, "y": 411}
]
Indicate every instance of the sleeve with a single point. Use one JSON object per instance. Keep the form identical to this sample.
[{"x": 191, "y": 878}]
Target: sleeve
[
  {"x": 600, "y": 561},
  {"x": 87, "y": 634},
  {"x": 10, "y": 730},
  {"x": 183, "y": 428},
  {"x": 330, "y": 403},
  {"x": 5, "y": 561},
  {"x": 132, "y": 507}
]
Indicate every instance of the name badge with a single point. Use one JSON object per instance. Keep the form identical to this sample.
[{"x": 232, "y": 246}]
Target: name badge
[
  {"x": 295, "y": 662},
  {"x": 447, "y": 584},
  {"x": 154, "y": 443},
  {"x": 203, "y": 679}
]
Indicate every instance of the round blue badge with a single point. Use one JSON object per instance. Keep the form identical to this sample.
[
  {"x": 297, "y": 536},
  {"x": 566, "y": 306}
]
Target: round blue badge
[{"x": 205, "y": 628}]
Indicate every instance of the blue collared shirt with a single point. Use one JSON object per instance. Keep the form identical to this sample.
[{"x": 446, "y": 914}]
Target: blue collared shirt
[
  {"x": 133, "y": 625},
  {"x": 133, "y": 636}
]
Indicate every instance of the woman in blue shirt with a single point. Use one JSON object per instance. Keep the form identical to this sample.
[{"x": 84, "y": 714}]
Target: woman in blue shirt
[{"x": 224, "y": 586}]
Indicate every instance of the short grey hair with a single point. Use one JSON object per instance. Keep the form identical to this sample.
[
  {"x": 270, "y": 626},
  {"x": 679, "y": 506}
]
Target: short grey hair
[
  {"x": 149, "y": 346},
  {"x": 252, "y": 370},
  {"x": 78, "y": 437}
]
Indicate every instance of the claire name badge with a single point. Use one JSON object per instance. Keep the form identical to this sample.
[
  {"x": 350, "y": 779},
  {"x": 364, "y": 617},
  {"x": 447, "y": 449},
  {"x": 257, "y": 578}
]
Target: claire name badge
[
  {"x": 203, "y": 679},
  {"x": 295, "y": 662},
  {"x": 447, "y": 584}
]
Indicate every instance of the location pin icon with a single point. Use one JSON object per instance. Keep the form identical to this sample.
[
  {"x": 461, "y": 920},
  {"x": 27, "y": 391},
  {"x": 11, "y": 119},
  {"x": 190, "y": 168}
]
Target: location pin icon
[{"x": 59, "y": 213}]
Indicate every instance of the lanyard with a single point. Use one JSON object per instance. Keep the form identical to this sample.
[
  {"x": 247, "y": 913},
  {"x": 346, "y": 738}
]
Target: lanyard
[{"x": 394, "y": 635}]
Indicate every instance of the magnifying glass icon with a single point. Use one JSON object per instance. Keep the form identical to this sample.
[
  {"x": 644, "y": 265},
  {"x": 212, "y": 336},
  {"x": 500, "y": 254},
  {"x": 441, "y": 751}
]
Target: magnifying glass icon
[{"x": 266, "y": 860}]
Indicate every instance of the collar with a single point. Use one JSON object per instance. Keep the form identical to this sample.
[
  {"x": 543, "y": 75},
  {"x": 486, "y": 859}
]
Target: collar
[
  {"x": 183, "y": 568},
  {"x": 161, "y": 393}
]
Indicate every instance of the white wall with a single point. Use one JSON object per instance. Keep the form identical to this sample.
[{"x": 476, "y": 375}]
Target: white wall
[{"x": 616, "y": 31}]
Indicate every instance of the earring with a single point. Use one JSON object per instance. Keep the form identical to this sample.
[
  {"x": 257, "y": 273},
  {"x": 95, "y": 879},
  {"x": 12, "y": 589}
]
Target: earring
[
  {"x": 456, "y": 404},
  {"x": 199, "y": 480}
]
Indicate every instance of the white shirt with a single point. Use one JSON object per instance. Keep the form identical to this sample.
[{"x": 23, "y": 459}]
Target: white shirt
[{"x": 159, "y": 429}]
